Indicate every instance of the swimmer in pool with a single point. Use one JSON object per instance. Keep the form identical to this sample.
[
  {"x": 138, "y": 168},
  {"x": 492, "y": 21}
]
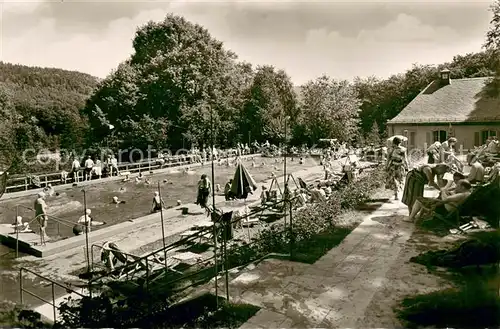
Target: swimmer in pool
[
  {"x": 86, "y": 220},
  {"x": 158, "y": 203}
]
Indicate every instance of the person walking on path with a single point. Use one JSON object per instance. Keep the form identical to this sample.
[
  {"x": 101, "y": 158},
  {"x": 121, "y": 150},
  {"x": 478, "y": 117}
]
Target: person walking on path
[
  {"x": 204, "y": 187},
  {"x": 396, "y": 167}
]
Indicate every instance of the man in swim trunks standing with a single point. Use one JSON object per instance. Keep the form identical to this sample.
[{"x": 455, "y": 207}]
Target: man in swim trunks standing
[
  {"x": 41, "y": 216},
  {"x": 89, "y": 165}
]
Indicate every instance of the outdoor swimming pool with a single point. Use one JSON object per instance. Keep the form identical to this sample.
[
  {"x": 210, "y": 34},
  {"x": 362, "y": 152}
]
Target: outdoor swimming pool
[{"x": 68, "y": 205}]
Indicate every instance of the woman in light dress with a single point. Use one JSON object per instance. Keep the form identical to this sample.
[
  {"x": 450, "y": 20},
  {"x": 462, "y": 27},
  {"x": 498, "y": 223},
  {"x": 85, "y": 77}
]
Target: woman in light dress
[{"x": 396, "y": 167}]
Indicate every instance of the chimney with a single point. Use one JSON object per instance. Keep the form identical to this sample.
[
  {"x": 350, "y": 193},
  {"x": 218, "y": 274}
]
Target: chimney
[{"x": 444, "y": 77}]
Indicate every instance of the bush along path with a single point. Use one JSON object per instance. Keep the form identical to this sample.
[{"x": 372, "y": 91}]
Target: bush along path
[{"x": 474, "y": 300}]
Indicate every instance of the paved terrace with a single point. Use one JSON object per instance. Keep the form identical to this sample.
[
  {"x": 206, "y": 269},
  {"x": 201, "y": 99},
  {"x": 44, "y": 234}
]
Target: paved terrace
[{"x": 336, "y": 290}]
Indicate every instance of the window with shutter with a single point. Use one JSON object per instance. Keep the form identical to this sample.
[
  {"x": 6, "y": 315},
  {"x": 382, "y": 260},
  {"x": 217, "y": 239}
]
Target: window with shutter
[
  {"x": 412, "y": 138},
  {"x": 428, "y": 138},
  {"x": 487, "y": 134},
  {"x": 476, "y": 139},
  {"x": 443, "y": 135}
]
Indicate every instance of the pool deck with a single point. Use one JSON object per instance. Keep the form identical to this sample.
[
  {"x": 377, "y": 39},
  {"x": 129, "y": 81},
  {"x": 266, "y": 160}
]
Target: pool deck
[{"x": 144, "y": 229}]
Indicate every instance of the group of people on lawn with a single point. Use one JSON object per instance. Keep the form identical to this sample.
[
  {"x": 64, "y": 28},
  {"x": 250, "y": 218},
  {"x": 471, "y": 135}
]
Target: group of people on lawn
[{"x": 441, "y": 160}]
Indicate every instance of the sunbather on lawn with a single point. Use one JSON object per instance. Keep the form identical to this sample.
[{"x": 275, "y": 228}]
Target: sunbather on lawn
[{"x": 448, "y": 202}]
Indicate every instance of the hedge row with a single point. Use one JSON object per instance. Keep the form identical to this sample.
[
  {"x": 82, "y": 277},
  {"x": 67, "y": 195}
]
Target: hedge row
[{"x": 308, "y": 222}]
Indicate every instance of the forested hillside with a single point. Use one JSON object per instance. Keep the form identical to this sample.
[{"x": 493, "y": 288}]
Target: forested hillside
[{"x": 40, "y": 107}]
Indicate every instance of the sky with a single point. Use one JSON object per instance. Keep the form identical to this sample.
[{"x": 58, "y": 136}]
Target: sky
[{"x": 342, "y": 39}]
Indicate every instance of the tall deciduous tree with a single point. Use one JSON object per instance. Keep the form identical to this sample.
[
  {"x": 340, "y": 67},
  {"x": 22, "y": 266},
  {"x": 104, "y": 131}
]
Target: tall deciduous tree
[
  {"x": 493, "y": 45},
  {"x": 373, "y": 136},
  {"x": 330, "y": 109},
  {"x": 271, "y": 103}
]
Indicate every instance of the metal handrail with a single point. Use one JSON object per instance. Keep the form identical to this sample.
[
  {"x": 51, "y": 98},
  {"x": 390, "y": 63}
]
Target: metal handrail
[
  {"x": 200, "y": 233},
  {"x": 126, "y": 166},
  {"x": 53, "y": 283}
]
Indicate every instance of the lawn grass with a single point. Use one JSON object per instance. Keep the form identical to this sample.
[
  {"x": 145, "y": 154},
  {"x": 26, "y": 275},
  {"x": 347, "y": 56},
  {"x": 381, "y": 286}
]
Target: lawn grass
[
  {"x": 229, "y": 315},
  {"x": 311, "y": 250},
  {"x": 13, "y": 315},
  {"x": 474, "y": 302}
]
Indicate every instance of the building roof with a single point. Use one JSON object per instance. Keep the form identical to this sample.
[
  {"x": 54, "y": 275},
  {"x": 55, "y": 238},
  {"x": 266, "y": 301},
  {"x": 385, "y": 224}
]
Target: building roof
[{"x": 462, "y": 100}]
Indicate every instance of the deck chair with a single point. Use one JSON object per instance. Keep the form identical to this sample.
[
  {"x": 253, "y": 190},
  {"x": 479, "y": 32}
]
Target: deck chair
[
  {"x": 483, "y": 201},
  {"x": 130, "y": 264}
]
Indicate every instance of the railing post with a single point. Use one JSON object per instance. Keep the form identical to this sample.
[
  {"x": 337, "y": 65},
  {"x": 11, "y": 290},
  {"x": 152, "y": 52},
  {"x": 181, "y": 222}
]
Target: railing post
[
  {"x": 25, "y": 183},
  {"x": 147, "y": 275},
  {"x": 17, "y": 232},
  {"x": 21, "y": 299},
  {"x": 54, "y": 302},
  {"x": 92, "y": 258},
  {"x": 292, "y": 237},
  {"x": 46, "y": 181}
]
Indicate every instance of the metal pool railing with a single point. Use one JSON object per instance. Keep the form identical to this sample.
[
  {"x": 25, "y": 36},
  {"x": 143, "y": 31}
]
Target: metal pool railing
[
  {"x": 198, "y": 273},
  {"x": 209, "y": 234},
  {"x": 34, "y": 220},
  {"x": 16, "y": 184}
]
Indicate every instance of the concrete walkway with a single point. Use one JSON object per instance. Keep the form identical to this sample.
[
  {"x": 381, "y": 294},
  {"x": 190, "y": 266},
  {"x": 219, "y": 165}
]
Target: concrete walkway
[{"x": 336, "y": 290}]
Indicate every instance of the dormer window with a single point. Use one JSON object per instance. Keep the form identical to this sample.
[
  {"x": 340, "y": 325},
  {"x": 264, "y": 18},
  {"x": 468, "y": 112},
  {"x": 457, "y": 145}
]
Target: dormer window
[{"x": 444, "y": 76}]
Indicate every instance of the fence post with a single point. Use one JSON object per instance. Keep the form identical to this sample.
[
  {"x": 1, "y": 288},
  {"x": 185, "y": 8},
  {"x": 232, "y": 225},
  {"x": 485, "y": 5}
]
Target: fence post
[
  {"x": 25, "y": 183},
  {"x": 21, "y": 286},
  {"x": 292, "y": 237},
  {"x": 46, "y": 181},
  {"x": 54, "y": 302},
  {"x": 147, "y": 275}
]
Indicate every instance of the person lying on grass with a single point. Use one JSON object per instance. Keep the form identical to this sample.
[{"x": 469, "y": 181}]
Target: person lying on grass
[{"x": 448, "y": 202}]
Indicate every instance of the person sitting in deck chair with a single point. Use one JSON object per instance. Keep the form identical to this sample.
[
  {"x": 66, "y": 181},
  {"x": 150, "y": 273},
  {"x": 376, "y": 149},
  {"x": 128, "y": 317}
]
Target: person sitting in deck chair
[
  {"x": 476, "y": 173},
  {"x": 452, "y": 184},
  {"x": 111, "y": 254},
  {"x": 448, "y": 202},
  {"x": 318, "y": 194},
  {"x": 21, "y": 227}
]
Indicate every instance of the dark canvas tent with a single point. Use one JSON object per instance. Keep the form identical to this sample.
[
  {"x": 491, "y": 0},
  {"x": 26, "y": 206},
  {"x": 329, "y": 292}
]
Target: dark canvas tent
[{"x": 243, "y": 182}]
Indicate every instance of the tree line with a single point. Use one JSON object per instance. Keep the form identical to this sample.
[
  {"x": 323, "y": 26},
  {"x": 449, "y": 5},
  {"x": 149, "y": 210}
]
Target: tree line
[{"x": 180, "y": 82}]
